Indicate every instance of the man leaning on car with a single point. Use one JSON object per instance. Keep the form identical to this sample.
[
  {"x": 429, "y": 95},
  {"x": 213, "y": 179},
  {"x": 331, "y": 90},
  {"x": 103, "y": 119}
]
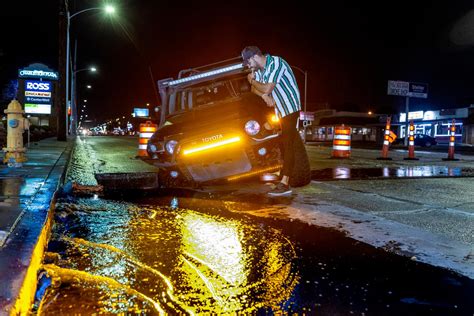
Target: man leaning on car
[{"x": 273, "y": 80}]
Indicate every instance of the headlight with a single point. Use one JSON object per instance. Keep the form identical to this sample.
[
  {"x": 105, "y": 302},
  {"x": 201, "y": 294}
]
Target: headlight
[
  {"x": 252, "y": 127},
  {"x": 170, "y": 146}
]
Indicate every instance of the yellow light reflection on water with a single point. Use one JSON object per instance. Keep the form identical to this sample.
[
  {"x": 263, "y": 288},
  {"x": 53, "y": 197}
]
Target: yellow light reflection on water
[{"x": 217, "y": 245}]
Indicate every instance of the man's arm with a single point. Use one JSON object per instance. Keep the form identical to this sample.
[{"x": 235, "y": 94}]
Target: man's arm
[{"x": 263, "y": 88}]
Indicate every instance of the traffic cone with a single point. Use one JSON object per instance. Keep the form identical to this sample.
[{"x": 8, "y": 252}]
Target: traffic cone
[
  {"x": 411, "y": 143},
  {"x": 386, "y": 141},
  {"x": 452, "y": 140}
]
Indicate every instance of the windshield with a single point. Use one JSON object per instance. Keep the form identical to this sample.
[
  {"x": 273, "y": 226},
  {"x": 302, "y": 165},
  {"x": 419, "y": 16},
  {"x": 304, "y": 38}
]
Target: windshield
[{"x": 208, "y": 94}]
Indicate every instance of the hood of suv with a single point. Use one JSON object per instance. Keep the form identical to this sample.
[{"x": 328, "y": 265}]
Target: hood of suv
[{"x": 230, "y": 114}]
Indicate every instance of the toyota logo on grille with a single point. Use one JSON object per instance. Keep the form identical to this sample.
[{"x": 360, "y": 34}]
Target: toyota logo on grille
[{"x": 212, "y": 138}]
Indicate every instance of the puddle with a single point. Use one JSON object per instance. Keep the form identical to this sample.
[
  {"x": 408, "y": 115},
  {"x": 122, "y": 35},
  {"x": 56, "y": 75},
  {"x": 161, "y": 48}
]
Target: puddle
[
  {"x": 151, "y": 258},
  {"x": 344, "y": 173},
  {"x": 187, "y": 255}
]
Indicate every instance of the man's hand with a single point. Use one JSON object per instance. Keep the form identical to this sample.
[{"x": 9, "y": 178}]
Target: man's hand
[
  {"x": 268, "y": 100},
  {"x": 250, "y": 77}
]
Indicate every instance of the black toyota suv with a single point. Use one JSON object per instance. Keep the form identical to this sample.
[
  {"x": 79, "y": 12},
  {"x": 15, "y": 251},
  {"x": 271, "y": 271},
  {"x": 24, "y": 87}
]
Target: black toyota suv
[{"x": 212, "y": 127}]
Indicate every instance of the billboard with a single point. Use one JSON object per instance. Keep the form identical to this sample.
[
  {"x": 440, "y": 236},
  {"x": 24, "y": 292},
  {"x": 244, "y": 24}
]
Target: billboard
[{"x": 407, "y": 89}]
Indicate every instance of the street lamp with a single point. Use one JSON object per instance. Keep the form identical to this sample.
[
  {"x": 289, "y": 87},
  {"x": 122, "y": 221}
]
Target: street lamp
[
  {"x": 89, "y": 86},
  {"x": 305, "y": 73},
  {"x": 109, "y": 10},
  {"x": 73, "y": 96}
]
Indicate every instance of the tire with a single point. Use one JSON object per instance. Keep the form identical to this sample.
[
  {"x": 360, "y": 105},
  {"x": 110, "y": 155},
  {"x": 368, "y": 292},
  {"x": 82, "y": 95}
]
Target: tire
[
  {"x": 428, "y": 144},
  {"x": 302, "y": 171}
]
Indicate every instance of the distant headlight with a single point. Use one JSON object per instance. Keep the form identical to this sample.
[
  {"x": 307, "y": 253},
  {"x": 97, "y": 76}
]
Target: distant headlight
[
  {"x": 170, "y": 146},
  {"x": 252, "y": 127}
]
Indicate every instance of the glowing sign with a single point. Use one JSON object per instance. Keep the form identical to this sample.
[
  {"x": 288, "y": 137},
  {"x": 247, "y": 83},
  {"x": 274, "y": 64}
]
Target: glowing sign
[
  {"x": 37, "y": 108},
  {"x": 31, "y": 85},
  {"x": 141, "y": 112},
  {"x": 39, "y": 94},
  {"x": 418, "y": 115}
]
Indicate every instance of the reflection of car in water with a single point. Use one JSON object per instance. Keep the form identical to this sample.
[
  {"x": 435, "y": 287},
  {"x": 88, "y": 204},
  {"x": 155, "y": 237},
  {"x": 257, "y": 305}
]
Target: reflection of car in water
[
  {"x": 212, "y": 128},
  {"x": 420, "y": 140}
]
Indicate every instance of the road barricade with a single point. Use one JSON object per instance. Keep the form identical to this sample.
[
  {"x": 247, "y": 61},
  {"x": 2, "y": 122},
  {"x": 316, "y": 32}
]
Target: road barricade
[
  {"x": 388, "y": 138},
  {"x": 341, "y": 145},
  {"x": 146, "y": 131},
  {"x": 411, "y": 143},
  {"x": 452, "y": 140}
]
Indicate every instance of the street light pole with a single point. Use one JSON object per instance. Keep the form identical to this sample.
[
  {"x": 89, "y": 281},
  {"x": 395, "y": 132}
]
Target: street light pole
[
  {"x": 74, "y": 119},
  {"x": 108, "y": 9}
]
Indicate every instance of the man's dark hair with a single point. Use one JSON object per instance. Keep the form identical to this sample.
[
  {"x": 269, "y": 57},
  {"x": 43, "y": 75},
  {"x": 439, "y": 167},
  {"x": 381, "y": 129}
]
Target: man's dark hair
[{"x": 249, "y": 52}]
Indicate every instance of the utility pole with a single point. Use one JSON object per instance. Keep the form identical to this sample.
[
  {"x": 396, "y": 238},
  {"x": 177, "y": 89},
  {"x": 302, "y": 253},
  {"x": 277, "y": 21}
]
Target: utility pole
[{"x": 61, "y": 105}]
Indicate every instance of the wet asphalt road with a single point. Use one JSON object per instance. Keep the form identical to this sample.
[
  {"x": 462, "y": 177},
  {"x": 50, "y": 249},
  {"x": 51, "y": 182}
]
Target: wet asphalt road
[
  {"x": 190, "y": 252},
  {"x": 193, "y": 255}
]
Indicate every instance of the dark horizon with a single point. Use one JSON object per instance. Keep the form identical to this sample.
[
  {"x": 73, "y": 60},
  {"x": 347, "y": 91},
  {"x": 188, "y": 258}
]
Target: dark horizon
[{"x": 349, "y": 52}]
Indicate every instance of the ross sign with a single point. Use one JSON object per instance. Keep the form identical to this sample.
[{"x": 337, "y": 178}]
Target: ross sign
[
  {"x": 38, "y": 71},
  {"x": 141, "y": 112},
  {"x": 37, "y": 108},
  {"x": 33, "y": 85},
  {"x": 407, "y": 89}
]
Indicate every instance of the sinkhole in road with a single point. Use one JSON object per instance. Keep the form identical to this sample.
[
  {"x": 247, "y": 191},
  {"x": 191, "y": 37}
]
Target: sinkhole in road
[
  {"x": 347, "y": 173},
  {"x": 184, "y": 253}
]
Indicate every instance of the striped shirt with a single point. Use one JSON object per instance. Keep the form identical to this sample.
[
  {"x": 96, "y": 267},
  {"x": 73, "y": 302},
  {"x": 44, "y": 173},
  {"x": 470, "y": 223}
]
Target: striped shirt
[{"x": 285, "y": 93}]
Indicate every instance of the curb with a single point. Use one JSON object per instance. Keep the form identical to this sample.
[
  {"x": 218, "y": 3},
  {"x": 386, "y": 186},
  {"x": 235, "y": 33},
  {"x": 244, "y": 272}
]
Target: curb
[{"x": 27, "y": 246}]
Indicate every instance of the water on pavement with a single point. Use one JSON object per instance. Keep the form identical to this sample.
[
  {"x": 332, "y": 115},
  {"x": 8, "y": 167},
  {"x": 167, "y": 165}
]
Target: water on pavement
[{"x": 184, "y": 253}]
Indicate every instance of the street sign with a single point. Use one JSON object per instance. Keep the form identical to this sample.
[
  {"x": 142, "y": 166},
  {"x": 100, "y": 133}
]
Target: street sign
[
  {"x": 407, "y": 89},
  {"x": 392, "y": 137}
]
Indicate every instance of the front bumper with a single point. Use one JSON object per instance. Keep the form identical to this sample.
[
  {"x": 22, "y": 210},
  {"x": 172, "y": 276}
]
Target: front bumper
[{"x": 201, "y": 162}]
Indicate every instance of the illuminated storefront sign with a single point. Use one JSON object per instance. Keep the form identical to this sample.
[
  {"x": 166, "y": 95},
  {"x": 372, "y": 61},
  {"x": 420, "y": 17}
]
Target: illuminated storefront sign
[
  {"x": 37, "y": 108},
  {"x": 141, "y": 112},
  {"x": 38, "y": 94},
  {"x": 418, "y": 115},
  {"x": 33, "y": 85}
]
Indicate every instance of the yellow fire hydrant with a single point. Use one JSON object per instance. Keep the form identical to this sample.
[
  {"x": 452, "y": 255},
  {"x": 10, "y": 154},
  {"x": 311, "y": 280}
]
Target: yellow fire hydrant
[{"x": 17, "y": 124}]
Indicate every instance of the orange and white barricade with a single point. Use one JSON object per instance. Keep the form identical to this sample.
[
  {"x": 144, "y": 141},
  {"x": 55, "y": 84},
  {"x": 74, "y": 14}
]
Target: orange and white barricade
[
  {"x": 452, "y": 140},
  {"x": 146, "y": 131},
  {"x": 387, "y": 140},
  {"x": 411, "y": 143},
  {"x": 341, "y": 144}
]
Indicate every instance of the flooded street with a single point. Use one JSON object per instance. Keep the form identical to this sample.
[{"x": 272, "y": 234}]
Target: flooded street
[{"x": 190, "y": 252}]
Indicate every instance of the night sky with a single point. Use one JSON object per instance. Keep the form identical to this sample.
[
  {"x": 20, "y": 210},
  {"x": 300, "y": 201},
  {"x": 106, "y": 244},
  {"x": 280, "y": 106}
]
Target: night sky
[{"x": 350, "y": 49}]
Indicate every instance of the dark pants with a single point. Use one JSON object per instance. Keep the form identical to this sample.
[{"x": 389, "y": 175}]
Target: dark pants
[{"x": 289, "y": 134}]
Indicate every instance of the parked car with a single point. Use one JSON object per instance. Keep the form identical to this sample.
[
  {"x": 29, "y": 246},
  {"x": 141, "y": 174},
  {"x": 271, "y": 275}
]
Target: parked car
[
  {"x": 214, "y": 128},
  {"x": 420, "y": 140}
]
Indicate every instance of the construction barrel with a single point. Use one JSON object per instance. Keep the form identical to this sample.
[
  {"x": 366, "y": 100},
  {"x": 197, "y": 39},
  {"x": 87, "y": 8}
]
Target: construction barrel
[
  {"x": 341, "y": 145},
  {"x": 147, "y": 129}
]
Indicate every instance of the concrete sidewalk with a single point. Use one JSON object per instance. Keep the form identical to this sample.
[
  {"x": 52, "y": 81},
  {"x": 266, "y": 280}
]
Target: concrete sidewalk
[{"x": 26, "y": 196}]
